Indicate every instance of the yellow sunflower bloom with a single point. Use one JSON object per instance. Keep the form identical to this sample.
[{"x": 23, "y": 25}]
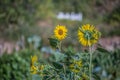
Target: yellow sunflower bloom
[
  {"x": 60, "y": 32},
  {"x": 34, "y": 59},
  {"x": 76, "y": 66},
  {"x": 33, "y": 69},
  {"x": 88, "y": 35}
]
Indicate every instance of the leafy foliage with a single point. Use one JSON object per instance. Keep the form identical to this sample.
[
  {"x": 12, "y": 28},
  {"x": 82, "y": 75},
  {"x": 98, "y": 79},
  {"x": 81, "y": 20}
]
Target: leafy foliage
[
  {"x": 108, "y": 62},
  {"x": 114, "y": 17},
  {"x": 13, "y": 11},
  {"x": 15, "y": 16},
  {"x": 15, "y": 66}
]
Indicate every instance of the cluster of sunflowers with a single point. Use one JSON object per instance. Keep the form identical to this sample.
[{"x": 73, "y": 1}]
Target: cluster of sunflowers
[
  {"x": 87, "y": 34},
  {"x": 35, "y": 68},
  {"x": 70, "y": 66}
]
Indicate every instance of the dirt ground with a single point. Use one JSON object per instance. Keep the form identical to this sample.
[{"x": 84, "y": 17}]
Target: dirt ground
[{"x": 109, "y": 43}]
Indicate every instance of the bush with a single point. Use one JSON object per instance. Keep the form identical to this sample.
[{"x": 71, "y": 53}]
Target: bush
[
  {"x": 15, "y": 66},
  {"x": 107, "y": 64}
]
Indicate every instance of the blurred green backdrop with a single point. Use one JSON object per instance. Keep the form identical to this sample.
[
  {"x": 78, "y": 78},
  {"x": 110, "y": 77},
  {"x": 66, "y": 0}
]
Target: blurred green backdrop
[{"x": 21, "y": 17}]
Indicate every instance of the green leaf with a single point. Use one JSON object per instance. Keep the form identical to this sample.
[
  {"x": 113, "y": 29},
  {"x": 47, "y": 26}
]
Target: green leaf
[
  {"x": 96, "y": 76},
  {"x": 102, "y": 50},
  {"x": 57, "y": 65},
  {"x": 54, "y": 42},
  {"x": 59, "y": 56},
  {"x": 36, "y": 77}
]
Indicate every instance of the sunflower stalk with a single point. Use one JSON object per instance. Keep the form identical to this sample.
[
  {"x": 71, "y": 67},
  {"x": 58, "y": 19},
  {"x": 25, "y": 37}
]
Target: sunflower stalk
[
  {"x": 60, "y": 46},
  {"x": 75, "y": 76},
  {"x": 90, "y": 66},
  {"x": 64, "y": 70}
]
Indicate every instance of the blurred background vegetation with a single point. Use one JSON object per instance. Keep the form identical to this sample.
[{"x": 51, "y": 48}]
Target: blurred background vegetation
[
  {"x": 20, "y": 20},
  {"x": 21, "y": 17}
]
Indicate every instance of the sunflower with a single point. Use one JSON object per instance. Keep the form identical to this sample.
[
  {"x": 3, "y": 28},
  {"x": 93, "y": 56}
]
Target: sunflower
[
  {"x": 60, "y": 32},
  {"x": 88, "y": 35},
  {"x": 76, "y": 66},
  {"x": 34, "y": 59},
  {"x": 34, "y": 69}
]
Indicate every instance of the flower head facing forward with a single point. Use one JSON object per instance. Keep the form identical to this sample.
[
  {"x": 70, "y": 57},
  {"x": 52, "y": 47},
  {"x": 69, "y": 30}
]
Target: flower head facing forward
[
  {"x": 60, "y": 32},
  {"x": 88, "y": 35}
]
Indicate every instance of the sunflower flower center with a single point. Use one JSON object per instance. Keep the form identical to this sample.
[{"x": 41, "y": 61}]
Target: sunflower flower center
[{"x": 60, "y": 32}]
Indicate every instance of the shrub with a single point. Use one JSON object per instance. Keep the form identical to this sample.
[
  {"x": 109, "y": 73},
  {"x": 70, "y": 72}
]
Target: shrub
[{"x": 15, "y": 66}]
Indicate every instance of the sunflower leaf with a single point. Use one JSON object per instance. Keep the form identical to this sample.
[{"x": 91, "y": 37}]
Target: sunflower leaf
[
  {"x": 54, "y": 42},
  {"x": 57, "y": 65},
  {"x": 102, "y": 50}
]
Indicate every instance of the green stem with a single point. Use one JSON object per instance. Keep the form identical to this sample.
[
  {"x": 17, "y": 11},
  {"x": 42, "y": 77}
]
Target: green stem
[
  {"x": 64, "y": 71},
  {"x": 75, "y": 77},
  {"x": 90, "y": 65},
  {"x": 60, "y": 46}
]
